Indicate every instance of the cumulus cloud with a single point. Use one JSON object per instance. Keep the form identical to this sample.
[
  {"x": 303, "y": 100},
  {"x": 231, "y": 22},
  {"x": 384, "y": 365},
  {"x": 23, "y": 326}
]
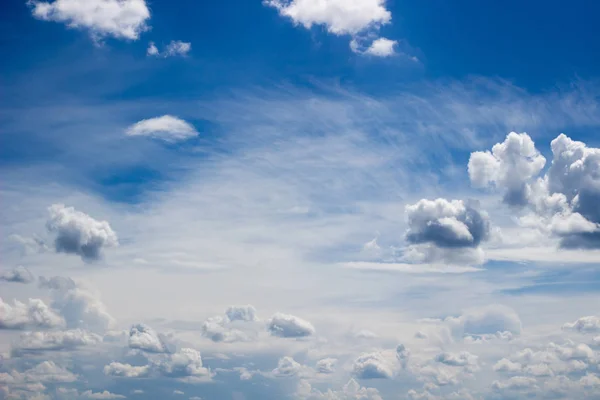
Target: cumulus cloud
[
  {"x": 286, "y": 367},
  {"x": 289, "y": 326},
  {"x": 78, "y": 233},
  {"x": 562, "y": 202},
  {"x": 80, "y": 307},
  {"x": 443, "y": 230},
  {"x": 174, "y": 48},
  {"x": 351, "y": 391},
  {"x": 382, "y": 47},
  {"x": 56, "y": 340},
  {"x": 120, "y": 19},
  {"x": 167, "y": 128},
  {"x": 19, "y": 274},
  {"x": 326, "y": 365},
  {"x": 217, "y": 329},
  {"x": 590, "y": 324},
  {"x": 33, "y": 314},
  {"x": 372, "y": 366},
  {"x": 338, "y": 16},
  {"x": 509, "y": 167},
  {"x": 186, "y": 362},
  {"x": 486, "y": 320},
  {"x": 46, "y": 372},
  {"x": 117, "y": 369},
  {"x": 462, "y": 359},
  {"x": 105, "y": 395},
  {"x": 241, "y": 313},
  {"x": 142, "y": 337}
]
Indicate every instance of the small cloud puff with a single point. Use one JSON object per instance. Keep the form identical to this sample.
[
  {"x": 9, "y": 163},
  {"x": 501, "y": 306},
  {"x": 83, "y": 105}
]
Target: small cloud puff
[
  {"x": 167, "y": 128},
  {"x": 78, "y": 233},
  {"x": 174, "y": 48},
  {"x": 289, "y": 326}
]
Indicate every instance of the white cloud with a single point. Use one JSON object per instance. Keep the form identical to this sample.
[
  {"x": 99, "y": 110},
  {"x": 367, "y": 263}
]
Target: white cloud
[
  {"x": 509, "y": 167},
  {"x": 105, "y": 395},
  {"x": 167, "y": 128},
  {"x": 78, "y": 233},
  {"x": 486, "y": 320},
  {"x": 144, "y": 338},
  {"x": 184, "y": 363},
  {"x": 351, "y": 391},
  {"x": 241, "y": 313},
  {"x": 47, "y": 372},
  {"x": 118, "y": 369},
  {"x": 372, "y": 366},
  {"x": 289, "y": 326},
  {"x": 382, "y": 47},
  {"x": 120, "y": 19},
  {"x": 326, "y": 365},
  {"x": 217, "y": 329},
  {"x": 80, "y": 307},
  {"x": 462, "y": 359},
  {"x": 338, "y": 16},
  {"x": 174, "y": 48},
  {"x": 19, "y": 274},
  {"x": 56, "y": 340},
  {"x": 33, "y": 314},
  {"x": 590, "y": 324},
  {"x": 287, "y": 367}
]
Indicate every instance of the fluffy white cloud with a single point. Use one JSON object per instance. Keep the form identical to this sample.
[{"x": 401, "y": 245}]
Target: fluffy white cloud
[
  {"x": 56, "y": 340},
  {"x": 563, "y": 202},
  {"x": 443, "y": 230},
  {"x": 351, "y": 391},
  {"x": 121, "y": 19},
  {"x": 118, "y": 369},
  {"x": 462, "y": 359},
  {"x": 514, "y": 383},
  {"x": 590, "y": 324},
  {"x": 382, "y": 47},
  {"x": 217, "y": 329},
  {"x": 174, "y": 48},
  {"x": 184, "y": 363},
  {"x": 33, "y": 314},
  {"x": 486, "y": 320},
  {"x": 241, "y": 313},
  {"x": 167, "y": 128},
  {"x": 338, "y": 16},
  {"x": 105, "y": 395},
  {"x": 19, "y": 274},
  {"x": 286, "y": 367},
  {"x": 289, "y": 326},
  {"x": 78, "y": 233},
  {"x": 46, "y": 372},
  {"x": 326, "y": 365},
  {"x": 80, "y": 307},
  {"x": 509, "y": 167},
  {"x": 372, "y": 366},
  {"x": 144, "y": 338}
]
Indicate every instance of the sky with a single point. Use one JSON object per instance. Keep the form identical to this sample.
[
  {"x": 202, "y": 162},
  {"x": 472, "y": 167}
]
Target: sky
[{"x": 299, "y": 199}]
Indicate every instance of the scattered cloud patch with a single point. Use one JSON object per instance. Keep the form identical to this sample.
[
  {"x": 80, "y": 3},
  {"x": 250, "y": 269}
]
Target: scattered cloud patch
[
  {"x": 119, "y": 19},
  {"x": 33, "y": 314},
  {"x": 167, "y": 128},
  {"x": 19, "y": 274},
  {"x": 78, "y": 233},
  {"x": 372, "y": 366},
  {"x": 289, "y": 326},
  {"x": 173, "y": 49},
  {"x": 56, "y": 340},
  {"x": 142, "y": 337}
]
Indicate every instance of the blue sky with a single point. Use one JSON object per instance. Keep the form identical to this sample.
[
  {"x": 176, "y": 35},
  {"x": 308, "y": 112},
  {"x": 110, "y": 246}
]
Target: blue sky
[{"x": 299, "y": 199}]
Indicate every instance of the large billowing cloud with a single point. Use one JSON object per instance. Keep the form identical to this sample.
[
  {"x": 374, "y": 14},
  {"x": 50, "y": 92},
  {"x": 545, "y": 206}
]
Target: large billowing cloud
[
  {"x": 120, "y": 19},
  {"x": 33, "y": 314},
  {"x": 372, "y": 366},
  {"x": 563, "y": 201},
  {"x": 80, "y": 307},
  {"x": 289, "y": 326},
  {"x": 450, "y": 230},
  {"x": 142, "y": 337},
  {"x": 167, "y": 128},
  {"x": 509, "y": 167},
  {"x": 19, "y": 275},
  {"x": 78, "y": 233}
]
